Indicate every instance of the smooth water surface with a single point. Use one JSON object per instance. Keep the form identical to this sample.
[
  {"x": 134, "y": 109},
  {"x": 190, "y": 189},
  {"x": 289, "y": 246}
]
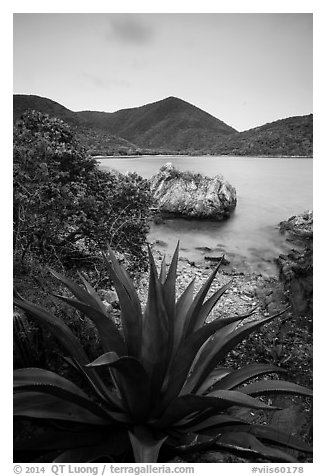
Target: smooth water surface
[{"x": 269, "y": 190}]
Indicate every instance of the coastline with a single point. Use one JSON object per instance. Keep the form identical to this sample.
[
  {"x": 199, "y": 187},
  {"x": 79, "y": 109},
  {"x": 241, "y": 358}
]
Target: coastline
[{"x": 108, "y": 157}]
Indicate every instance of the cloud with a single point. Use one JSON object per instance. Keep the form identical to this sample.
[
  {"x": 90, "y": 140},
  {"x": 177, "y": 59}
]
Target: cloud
[
  {"x": 105, "y": 82},
  {"x": 130, "y": 28}
]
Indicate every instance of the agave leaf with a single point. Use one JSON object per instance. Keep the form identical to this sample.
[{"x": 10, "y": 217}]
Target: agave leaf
[
  {"x": 47, "y": 382},
  {"x": 46, "y": 406},
  {"x": 68, "y": 341},
  {"x": 266, "y": 433},
  {"x": 219, "y": 400},
  {"x": 234, "y": 397},
  {"x": 215, "y": 376},
  {"x": 195, "y": 308},
  {"x": 75, "y": 289},
  {"x": 169, "y": 287},
  {"x": 182, "y": 307},
  {"x": 226, "y": 342},
  {"x": 275, "y": 386},
  {"x": 104, "y": 360},
  {"x": 156, "y": 333},
  {"x": 239, "y": 376},
  {"x": 110, "y": 336},
  {"x": 163, "y": 271},
  {"x": 202, "y": 360},
  {"x": 186, "y": 354},
  {"x": 132, "y": 381},
  {"x": 145, "y": 446},
  {"x": 114, "y": 445},
  {"x": 210, "y": 422},
  {"x": 59, "y": 329},
  {"x": 131, "y": 314},
  {"x": 209, "y": 305},
  {"x": 169, "y": 297},
  {"x": 40, "y": 377},
  {"x": 93, "y": 293},
  {"x": 124, "y": 278},
  {"x": 244, "y": 441}
]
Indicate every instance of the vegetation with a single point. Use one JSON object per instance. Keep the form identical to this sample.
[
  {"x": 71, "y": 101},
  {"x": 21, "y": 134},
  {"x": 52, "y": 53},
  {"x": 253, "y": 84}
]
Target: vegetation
[
  {"x": 173, "y": 126},
  {"x": 287, "y": 137},
  {"x": 65, "y": 208},
  {"x": 157, "y": 388}
]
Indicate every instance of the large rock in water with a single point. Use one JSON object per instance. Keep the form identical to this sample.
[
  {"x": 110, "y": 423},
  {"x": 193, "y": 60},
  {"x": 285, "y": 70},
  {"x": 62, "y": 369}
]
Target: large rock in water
[
  {"x": 296, "y": 268},
  {"x": 191, "y": 195}
]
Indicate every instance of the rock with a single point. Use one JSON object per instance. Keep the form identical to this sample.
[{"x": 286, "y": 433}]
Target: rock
[
  {"x": 298, "y": 228},
  {"x": 216, "y": 259},
  {"x": 161, "y": 243},
  {"x": 249, "y": 290},
  {"x": 296, "y": 268},
  {"x": 191, "y": 195},
  {"x": 109, "y": 296},
  {"x": 205, "y": 249}
]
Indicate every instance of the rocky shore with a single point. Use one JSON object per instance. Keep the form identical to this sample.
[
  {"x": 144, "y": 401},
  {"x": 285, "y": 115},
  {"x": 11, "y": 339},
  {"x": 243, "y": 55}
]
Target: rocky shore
[{"x": 296, "y": 267}]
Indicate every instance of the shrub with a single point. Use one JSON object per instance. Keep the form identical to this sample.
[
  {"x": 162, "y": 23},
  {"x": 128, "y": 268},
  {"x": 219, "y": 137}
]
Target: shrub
[
  {"x": 166, "y": 392},
  {"x": 65, "y": 208}
]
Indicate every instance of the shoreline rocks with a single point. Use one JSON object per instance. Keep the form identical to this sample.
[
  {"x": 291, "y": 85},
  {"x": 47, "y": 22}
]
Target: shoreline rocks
[
  {"x": 192, "y": 195},
  {"x": 296, "y": 267}
]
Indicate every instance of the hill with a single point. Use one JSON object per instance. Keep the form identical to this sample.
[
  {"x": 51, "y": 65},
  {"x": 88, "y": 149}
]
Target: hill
[
  {"x": 96, "y": 140},
  {"x": 170, "y": 124},
  {"x": 174, "y": 126},
  {"x": 286, "y": 137},
  {"x": 22, "y": 102}
]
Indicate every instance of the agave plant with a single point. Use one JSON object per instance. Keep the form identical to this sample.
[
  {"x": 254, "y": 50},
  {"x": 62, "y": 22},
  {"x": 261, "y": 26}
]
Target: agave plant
[{"x": 158, "y": 384}]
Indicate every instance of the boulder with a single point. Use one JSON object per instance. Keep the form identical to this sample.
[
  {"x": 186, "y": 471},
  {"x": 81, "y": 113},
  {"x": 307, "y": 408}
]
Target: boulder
[{"x": 192, "y": 195}]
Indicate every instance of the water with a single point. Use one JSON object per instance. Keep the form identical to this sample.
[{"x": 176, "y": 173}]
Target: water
[{"x": 269, "y": 190}]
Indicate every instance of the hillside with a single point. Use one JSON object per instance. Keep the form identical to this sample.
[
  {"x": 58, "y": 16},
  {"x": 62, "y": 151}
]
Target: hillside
[
  {"x": 286, "y": 137},
  {"x": 23, "y": 102},
  {"x": 174, "y": 126},
  {"x": 170, "y": 124},
  {"x": 96, "y": 140}
]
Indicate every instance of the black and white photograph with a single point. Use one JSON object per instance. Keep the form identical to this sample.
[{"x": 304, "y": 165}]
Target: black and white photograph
[{"x": 162, "y": 240}]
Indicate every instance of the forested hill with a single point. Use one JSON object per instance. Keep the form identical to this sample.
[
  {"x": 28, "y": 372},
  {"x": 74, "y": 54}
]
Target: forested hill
[
  {"x": 287, "y": 137},
  {"x": 174, "y": 126},
  {"x": 170, "y": 124}
]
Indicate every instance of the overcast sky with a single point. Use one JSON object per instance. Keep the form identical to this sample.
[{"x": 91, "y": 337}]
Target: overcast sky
[{"x": 245, "y": 69}]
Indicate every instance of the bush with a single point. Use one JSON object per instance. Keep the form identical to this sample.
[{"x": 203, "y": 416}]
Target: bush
[
  {"x": 65, "y": 208},
  {"x": 164, "y": 387}
]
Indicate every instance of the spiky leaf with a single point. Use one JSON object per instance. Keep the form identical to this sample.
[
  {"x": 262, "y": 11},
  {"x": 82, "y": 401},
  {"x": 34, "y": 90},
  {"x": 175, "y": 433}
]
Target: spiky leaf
[
  {"x": 46, "y": 406},
  {"x": 239, "y": 376},
  {"x": 275, "y": 386},
  {"x": 110, "y": 336},
  {"x": 132, "y": 382},
  {"x": 131, "y": 315},
  {"x": 145, "y": 446}
]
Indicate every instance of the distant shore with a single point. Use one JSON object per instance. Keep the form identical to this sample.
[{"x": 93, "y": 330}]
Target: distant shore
[{"x": 206, "y": 155}]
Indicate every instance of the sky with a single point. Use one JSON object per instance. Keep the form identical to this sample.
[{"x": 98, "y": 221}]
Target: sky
[{"x": 245, "y": 69}]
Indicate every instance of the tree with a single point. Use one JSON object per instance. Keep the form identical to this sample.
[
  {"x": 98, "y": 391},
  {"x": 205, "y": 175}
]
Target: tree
[{"x": 65, "y": 208}]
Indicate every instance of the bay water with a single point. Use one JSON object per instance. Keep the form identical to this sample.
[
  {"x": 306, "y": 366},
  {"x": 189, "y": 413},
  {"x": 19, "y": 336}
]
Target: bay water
[{"x": 269, "y": 190}]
